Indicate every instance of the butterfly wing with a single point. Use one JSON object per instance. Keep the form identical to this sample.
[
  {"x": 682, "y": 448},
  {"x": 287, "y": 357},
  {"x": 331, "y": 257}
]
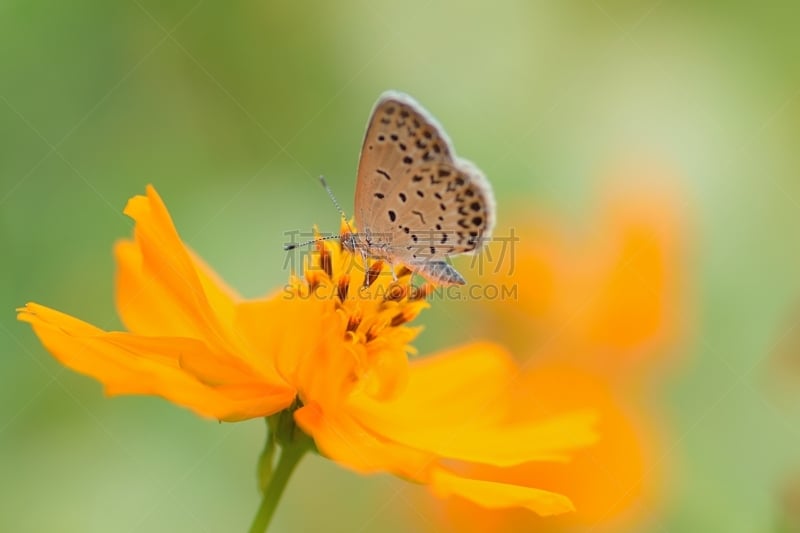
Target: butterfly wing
[{"x": 414, "y": 196}]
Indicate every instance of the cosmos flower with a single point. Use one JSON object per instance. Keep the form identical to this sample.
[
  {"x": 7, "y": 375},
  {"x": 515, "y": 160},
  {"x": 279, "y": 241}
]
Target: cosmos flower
[
  {"x": 611, "y": 297},
  {"x": 331, "y": 349},
  {"x": 592, "y": 321}
]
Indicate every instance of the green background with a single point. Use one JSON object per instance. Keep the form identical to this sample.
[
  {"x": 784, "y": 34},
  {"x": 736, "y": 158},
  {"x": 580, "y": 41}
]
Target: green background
[{"x": 233, "y": 109}]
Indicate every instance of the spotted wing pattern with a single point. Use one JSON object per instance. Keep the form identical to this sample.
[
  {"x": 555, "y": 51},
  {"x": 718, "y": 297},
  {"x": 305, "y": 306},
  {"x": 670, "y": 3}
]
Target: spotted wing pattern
[{"x": 415, "y": 199}]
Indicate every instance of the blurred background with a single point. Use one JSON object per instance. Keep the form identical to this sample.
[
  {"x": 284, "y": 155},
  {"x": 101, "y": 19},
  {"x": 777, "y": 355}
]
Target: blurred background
[{"x": 232, "y": 111}]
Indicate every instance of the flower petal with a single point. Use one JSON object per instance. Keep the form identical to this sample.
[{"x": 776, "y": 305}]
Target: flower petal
[
  {"x": 456, "y": 405},
  {"x": 465, "y": 384},
  {"x": 131, "y": 364},
  {"x": 494, "y": 495},
  {"x": 603, "y": 481},
  {"x": 614, "y": 295},
  {"x": 342, "y": 439},
  {"x": 165, "y": 289},
  {"x": 607, "y": 478},
  {"x": 303, "y": 340},
  {"x": 634, "y": 274},
  {"x": 162, "y": 287}
]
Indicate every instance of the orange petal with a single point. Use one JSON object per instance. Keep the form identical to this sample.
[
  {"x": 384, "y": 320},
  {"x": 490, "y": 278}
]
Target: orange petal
[
  {"x": 494, "y": 495},
  {"x": 611, "y": 298},
  {"x": 342, "y": 439},
  {"x": 456, "y": 406},
  {"x": 298, "y": 338},
  {"x": 131, "y": 364},
  {"x": 603, "y": 481},
  {"x": 163, "y": 288},
  {"x": 387, "y": 376},
  {"x": 634, "y": 275},
  {"x": 466, "y": 384},
  {"x": 552, "y": 440}
]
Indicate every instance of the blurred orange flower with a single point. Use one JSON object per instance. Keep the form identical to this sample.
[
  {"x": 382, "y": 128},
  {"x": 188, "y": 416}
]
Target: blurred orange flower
[
  {"x": 610, "y": 300},
  {"x": 333, "y": 343},
  {"x": 589, "y": 320}
]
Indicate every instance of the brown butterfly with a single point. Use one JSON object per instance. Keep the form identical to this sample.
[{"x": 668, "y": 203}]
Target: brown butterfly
[{"x": 417, "y": 203}]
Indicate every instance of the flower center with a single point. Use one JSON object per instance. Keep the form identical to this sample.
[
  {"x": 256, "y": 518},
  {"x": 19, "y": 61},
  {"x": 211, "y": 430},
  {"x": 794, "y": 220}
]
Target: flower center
[{"x": 368, "y": 309}]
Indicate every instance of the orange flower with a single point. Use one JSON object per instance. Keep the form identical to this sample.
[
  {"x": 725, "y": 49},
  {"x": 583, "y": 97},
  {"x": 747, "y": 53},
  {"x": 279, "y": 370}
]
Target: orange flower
[
  {"x": 331, "y": 348},
  {"x": 604, "y": 481},
  {"x": 609, "y": 300},
  {"x": 589, "y": 320}
]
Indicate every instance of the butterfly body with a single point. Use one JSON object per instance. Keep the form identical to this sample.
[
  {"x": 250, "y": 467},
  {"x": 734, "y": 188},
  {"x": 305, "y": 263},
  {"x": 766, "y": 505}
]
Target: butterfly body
[{"x": 416, "y": 202}]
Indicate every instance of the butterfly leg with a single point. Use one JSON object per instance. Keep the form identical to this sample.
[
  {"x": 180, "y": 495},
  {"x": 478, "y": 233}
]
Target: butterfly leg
[{"x": 366, "y": 268}]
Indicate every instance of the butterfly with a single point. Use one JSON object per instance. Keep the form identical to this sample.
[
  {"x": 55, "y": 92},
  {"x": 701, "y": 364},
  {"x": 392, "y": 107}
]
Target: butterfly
[{"x": 416, "y": 202}]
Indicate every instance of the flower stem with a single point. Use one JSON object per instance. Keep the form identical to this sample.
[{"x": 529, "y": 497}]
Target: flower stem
[
  {"x": 290, "y": 457},
  {"x": 267, "y": 456}
]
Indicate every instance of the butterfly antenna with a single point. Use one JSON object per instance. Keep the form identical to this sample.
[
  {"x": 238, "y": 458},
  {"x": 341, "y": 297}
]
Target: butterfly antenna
[
  {"x": 294, "y": 245},
  {"x": 332, "y": 196},
  {"x": 336, "y": 203}
]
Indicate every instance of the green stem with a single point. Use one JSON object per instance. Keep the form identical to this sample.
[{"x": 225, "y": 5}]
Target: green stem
[
  {"x": 290, "y": 457},
  {"x": 267, "y": 455}
]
